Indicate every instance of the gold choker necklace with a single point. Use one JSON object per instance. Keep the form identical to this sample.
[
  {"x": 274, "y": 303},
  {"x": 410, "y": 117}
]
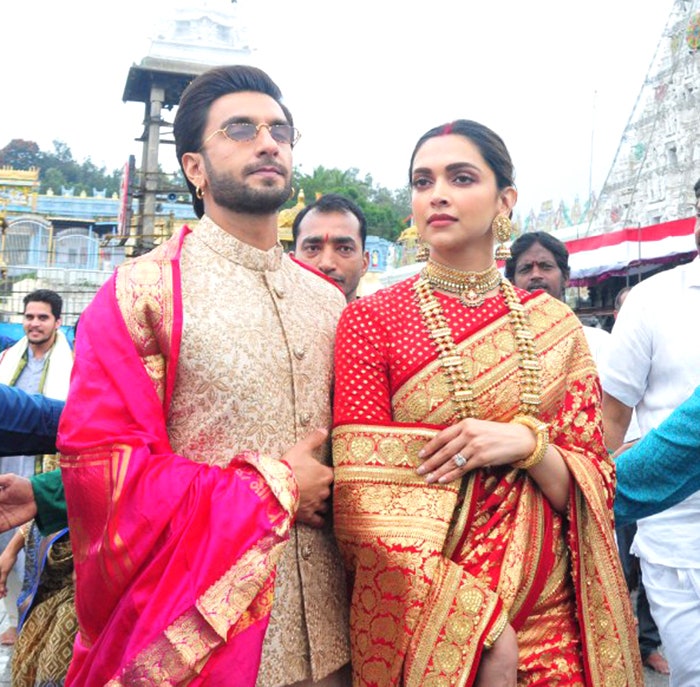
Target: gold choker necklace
[
  {"x": 471, "y": 287},
  {"x": 451, "y": 361}
]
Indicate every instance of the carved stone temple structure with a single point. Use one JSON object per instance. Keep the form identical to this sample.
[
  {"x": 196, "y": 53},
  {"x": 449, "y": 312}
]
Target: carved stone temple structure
[{"x": 184, "y": 46}]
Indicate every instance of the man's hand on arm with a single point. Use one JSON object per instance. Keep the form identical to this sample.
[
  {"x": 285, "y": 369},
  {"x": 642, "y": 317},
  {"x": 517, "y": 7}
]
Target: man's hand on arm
[
  {"x": 314, "y": 478},
  {"x": 17, "y": 504}
]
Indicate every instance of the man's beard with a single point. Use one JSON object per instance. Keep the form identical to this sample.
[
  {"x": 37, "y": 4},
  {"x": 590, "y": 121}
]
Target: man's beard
[
  {"x": 44, "y": 339},
  {"x": 236, "y": 196}
]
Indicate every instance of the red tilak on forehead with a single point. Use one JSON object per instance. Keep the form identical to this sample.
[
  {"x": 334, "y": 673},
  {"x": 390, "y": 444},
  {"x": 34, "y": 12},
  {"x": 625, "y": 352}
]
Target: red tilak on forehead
[
  {"x": 325, "y": 240},
  {"x": 447, "y": 129}
]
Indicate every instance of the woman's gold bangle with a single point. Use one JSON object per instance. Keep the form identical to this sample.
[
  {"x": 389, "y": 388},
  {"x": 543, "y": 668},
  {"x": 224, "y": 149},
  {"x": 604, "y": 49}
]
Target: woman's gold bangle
[
  {"x": 496, "y": 631},
  {"x": 541, "y": 430}
]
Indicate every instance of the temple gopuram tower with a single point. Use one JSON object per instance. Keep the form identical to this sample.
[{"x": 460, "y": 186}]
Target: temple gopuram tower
[
  {"x": 658, "y": 158},
  {"x": 196, "y": 38}
]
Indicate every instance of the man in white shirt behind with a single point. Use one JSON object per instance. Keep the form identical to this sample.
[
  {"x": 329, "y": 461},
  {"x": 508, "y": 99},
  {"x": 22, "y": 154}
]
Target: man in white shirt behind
[{"x": 653, "y": 365}]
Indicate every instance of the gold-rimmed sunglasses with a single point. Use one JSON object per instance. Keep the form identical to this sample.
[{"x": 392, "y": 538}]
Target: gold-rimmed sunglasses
[{"x": 247, "y": 131}]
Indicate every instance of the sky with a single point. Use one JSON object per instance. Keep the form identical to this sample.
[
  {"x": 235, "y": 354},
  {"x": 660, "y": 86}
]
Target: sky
[{"x": 556, "y": 79}]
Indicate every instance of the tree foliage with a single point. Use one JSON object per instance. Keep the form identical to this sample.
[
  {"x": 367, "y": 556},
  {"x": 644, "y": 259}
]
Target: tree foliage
[
  {"x": 20, "y": 154},
  {"x": 385, "y": 210},
  {"x": 58, "y": 169}
]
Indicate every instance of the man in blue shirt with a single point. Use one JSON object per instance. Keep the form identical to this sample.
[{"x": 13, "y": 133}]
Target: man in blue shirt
[{"x": 28, "y": 424}]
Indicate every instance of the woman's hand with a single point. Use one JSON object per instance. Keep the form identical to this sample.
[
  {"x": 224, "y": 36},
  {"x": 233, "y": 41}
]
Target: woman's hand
[{"x": 481, "y": 443}]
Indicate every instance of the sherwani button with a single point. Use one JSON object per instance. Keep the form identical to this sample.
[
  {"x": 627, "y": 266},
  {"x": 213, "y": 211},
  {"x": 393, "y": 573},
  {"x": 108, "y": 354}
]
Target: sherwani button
[
  {"x": 306, "y": 552},
  {"x": 299, "y": 352},
  {"x": 304, "y": 419},
  {"x": 279, "y": 291}
]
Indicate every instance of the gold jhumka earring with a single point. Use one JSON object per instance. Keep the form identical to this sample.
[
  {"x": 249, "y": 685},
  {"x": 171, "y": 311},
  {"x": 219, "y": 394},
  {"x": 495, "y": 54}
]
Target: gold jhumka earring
[
  {"x": 502, "y": 229},
  {"x": 422, "y": 250}
]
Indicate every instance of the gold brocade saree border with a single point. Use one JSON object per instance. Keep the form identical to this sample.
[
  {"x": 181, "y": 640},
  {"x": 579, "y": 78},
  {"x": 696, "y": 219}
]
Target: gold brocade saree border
[
  {"x": 608, "y": 626},
  {"x": 377, "y": 445},
  {"x": 412, "y": 608},
  {"x": 450, "y": 636},
  {"x": 375, "y": 469},
  {"x": 490, "y": 362},
  {"x": 374, "y": 473}
]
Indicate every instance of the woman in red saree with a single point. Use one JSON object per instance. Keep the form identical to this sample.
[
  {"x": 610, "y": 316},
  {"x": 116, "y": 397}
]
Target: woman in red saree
[{"x": 473, "y": 493}]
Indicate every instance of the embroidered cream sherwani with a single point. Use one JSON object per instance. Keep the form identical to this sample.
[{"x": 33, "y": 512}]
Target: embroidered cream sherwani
[{"x": 255, "y": 373}]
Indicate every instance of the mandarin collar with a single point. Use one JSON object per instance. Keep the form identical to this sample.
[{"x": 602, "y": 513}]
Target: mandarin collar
[{"x": 235, "y": 250}]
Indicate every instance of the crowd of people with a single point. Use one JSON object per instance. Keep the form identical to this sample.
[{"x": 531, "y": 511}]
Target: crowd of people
[
  {"x": 264, "y": 476},
  {"x": 36, "y": 564}
]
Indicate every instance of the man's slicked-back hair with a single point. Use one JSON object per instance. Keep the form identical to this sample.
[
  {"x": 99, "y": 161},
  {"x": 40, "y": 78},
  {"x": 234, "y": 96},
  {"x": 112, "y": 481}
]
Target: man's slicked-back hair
[
  {"x": 332, "y": 202},
  {"x": 193, "y": 110}
]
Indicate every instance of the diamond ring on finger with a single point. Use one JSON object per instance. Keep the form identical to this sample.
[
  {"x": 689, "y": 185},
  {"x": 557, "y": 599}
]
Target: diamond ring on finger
[{"x": 459, "y": 460}]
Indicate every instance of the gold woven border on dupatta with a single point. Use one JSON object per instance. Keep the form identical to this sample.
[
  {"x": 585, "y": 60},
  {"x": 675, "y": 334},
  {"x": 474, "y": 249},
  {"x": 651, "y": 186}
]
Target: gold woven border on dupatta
[
  {"x": 106, "y": 466},
  {"x": 237, "y": 600},
  {"x": 279, "y": 478},
  {"x": 180, "y": 653},
  {"x": 144, "y": 290}
]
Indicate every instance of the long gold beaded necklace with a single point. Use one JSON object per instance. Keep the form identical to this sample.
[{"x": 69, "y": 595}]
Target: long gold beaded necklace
[{"x": 450, "y": 359}]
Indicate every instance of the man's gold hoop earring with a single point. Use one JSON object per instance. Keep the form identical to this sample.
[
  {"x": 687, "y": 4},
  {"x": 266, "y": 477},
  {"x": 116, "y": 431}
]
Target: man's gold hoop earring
[
  {"x": 502, "y": 229},
  {"x": 199, "y": 192}
]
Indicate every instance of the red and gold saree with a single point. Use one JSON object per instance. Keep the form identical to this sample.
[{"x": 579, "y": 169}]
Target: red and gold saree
[
  {"x": 175, "y": 559},
  {"x": 438, "y": 570}
]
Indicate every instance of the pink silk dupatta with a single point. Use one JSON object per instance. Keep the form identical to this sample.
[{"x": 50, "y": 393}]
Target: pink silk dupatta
[{"x": 174, "y": 559}]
